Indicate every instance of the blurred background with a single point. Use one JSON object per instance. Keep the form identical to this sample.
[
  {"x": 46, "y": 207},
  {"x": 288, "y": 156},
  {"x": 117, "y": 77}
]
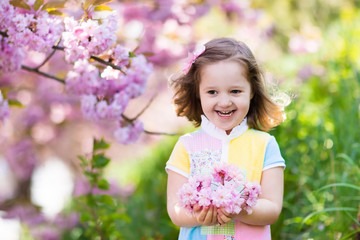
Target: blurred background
[{"x": 309, "y": 51}]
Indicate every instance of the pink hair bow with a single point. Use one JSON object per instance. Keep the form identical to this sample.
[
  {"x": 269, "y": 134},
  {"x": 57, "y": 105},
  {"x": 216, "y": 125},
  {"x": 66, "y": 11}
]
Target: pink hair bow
[{"x": 192, "y": 58}]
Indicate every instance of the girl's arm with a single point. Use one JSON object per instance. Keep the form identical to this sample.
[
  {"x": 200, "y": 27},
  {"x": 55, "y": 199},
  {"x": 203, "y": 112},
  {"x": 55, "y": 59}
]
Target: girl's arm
[
  {"x": 269, "y": 205},
  {"x": 206, "y": 216}
]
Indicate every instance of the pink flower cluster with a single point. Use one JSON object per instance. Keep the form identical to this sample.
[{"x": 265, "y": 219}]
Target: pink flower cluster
[
  {"x": 105, "y": 95},
  {"x": 22, "y": 30},
  {"x": 4, "y": 108},
  {"x": 104, "y": 92},
  {"x": 37, "y": 31},
  {"x": 129, "y": 133},
  {"x": 87, "y": 38},
  {"x": 226, "y": 187},
  {"x": 11, "y": 57}
]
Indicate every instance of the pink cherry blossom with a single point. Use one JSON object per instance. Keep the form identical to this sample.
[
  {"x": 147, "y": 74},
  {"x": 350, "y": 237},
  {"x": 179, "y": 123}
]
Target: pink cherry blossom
[
  {"x": 205, "y": 196},
  {"x": 11, "y": 57},
  {"x": 129, "y": 133},
  {"x": 36, "y": 31},
  {"x": 225, "y": 187},
  {"x": 7, "y": 12},
  {"x": 88, "y": 103},
  {"x": 222, "y": 196},
  {"x": 90, "y": 37},
  {"x": 83, "y": 78}
]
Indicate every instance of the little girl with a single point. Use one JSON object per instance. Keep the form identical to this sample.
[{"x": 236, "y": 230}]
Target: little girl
[{"x": 222, "y": 91}]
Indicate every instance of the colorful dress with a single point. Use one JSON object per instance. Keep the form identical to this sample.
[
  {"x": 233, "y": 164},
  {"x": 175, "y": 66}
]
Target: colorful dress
[{"x": 251, "y": 150}]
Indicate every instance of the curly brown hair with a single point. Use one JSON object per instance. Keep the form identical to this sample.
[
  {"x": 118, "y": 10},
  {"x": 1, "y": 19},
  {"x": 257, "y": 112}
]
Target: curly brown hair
[{"x": 263, "y": 114}]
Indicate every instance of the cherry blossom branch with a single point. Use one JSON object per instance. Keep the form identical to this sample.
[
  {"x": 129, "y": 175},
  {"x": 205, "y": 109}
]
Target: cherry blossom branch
[
  {"x": 57, "y": 47},
  {"x": 36, "y": 70},
  {"x": 144, "y": 108},
  {"x": 107, "y": 63},
  {"x": 130, "y": 120},
  {"x": 160, "y": 133},
  {"x": 50, "y": 55}
]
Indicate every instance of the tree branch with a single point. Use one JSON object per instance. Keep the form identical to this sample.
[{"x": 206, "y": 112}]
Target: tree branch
[
  {"x": 50, "y": 55},
  {"x": 36, "y": 70},
  {"x": 146, "y": 107},
  {"x": 96, "y": 59},
  {"x": 160, "y": 133},
  {"x": 58, "y": 48},
  {"x": 107, "y": 64}
]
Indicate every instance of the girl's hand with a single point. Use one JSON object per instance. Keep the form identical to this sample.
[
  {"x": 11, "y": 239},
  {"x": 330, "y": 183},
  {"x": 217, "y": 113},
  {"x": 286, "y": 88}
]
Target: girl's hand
[
  {"x": 223, "y": 216},
  {"x": 205, "y": 215}
]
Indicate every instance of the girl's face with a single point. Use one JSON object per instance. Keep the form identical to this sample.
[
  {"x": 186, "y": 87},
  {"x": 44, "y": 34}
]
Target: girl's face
[{"x": 225, "y": 94}]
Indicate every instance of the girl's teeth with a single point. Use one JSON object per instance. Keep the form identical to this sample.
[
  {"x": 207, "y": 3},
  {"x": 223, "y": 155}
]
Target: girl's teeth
[{"x": 225, "y": 114}]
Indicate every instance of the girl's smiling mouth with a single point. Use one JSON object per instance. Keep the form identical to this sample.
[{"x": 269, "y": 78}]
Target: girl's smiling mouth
[{"x": 225, "y": 114}]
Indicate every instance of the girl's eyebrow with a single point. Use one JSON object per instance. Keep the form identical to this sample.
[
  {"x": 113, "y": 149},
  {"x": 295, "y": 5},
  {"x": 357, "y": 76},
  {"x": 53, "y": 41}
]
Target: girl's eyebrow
[
  {"x": 210, "y": 87},
  {"x": 233, "y": 86}
]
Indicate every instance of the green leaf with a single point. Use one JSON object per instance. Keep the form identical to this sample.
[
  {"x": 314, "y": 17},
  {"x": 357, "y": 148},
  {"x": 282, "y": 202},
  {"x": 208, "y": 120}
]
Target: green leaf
[
  {"x": 38, "y": 4},
  {"x": 350, "y": 235},
  {"x": 102, "y": 8},
  {"x": 15, "y": 103},
  {"x": 340, "y": 185},
  {"x": 348, "y": 159},
  {"x": 55, "y": 13},
  {"x": 103, "y": 184},
  {"x": 20, "y": 4},
  {"x": 335, "y": 209},
  {"x": 131, "y": 55},
  {"x": 4, "y": 91},
  {"x": 100, "y": 161},
  {"x": 91, "y": 175},
  {"x": 107, "y": 200},
  {"x": 84, "y": 161},
  {"x": 85, "y": 216},
  {"x": 51, "y": 6},
  {"x": 100, "y": 145}
]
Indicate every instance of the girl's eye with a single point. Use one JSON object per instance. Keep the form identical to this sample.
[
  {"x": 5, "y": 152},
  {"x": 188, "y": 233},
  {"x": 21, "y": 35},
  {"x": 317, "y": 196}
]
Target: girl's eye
[
  {"x": 235, "y": 91},
  {"x": 212, "y": 92}
]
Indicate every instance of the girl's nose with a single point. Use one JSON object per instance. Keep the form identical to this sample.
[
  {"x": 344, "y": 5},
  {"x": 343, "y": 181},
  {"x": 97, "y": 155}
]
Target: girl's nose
[{"x": 224, "y": 101}]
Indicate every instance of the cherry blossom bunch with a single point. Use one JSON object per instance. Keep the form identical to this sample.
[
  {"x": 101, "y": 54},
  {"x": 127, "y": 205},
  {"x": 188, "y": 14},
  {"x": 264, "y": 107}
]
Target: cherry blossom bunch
[
  {"x": 89, "y": 37},
  {"x": 26, "y": 27},
  {"x": 225, "y": 187},
  {"x": 37, "y": 31},
  {"x": 104, "y": 92},
  {"x": 105, "y": 95}
]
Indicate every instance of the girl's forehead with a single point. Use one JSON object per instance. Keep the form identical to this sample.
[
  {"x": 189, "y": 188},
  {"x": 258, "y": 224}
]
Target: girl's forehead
[
  {"x": 223, "y": 68},
  {"x": 222, "y": 65},
  {"x": 225, "y": 73}
]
